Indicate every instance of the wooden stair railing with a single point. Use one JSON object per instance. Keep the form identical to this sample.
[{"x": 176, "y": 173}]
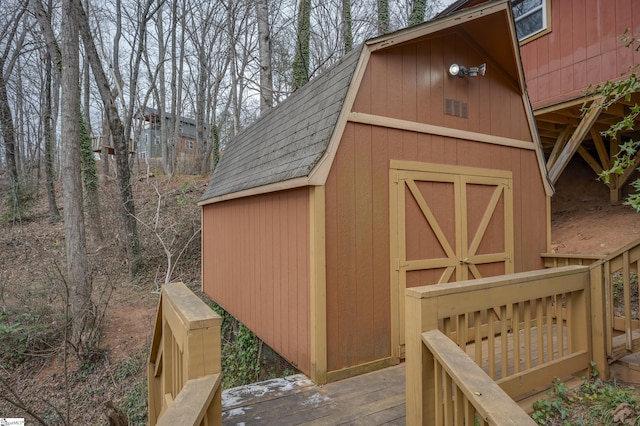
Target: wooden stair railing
[
  {"x": 184, "y": 364},
  {"x": 523, "y": 330},
  {"x": 614, "y": 286},
  {"x": 463, "y": 393}
]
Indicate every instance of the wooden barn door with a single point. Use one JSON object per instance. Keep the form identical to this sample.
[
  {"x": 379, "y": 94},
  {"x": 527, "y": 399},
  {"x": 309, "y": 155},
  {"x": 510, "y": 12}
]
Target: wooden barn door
[{"x": 448, "y": 223}]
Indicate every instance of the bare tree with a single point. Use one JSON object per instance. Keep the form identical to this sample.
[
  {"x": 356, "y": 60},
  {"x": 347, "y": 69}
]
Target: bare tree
[
  {"x": 301, "y": 59},
  {"x": 77, "y": 276},
  {"x": 8, "y": 57},
  {"x": 264, "y": 43},
  {"x": 120, "y": 142},
  {"x": 417, "y": 12},
  {"x": 383, "y": 16},
  {"x": 346, "y": 27},
  {"x": 54, "y": 214}
]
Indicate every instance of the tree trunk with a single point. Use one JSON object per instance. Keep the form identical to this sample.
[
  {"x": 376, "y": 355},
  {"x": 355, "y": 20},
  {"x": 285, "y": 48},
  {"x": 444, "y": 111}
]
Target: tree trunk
[
  {"x": 120, "y": 142},
  {"x": 8, "y": 130},
  {"x": 90, "y": 179},
  {"x": 347, "y": 32},
  {"x": 54, "y": 213},
  {"x": 162, "y": 97},
  {"x": 417, "y": 12},
  {"x": 303, "y": 35},
  {"x": 77, "y": 277},
  {"x": 264, "y": 47},
  {"x": 383, "y": 17}
]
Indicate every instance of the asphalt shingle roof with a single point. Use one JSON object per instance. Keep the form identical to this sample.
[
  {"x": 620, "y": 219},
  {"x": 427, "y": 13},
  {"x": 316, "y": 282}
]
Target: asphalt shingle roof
[{"x": 288, "y": 141}]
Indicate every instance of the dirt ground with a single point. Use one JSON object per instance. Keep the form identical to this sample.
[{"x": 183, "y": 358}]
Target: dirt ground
[
  {"x": 32, "y": 252},
  {"x": 583, "y": 220}
]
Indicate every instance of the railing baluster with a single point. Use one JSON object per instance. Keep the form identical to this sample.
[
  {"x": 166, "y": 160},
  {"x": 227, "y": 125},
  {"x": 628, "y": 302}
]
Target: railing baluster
[
  {"x": 539, "y": 331},
  {"x": 462, "y": 332},
  {"x": 504, "y": 341},
  {"x": 459, "y": 407},
  {"x": 569, "y": 297},
  {"x": 527, "y": 334},
  {"x": 448, "y": 400},
  {"x": 478, "y": 338},
  {"x": 491, "y": 344},
  {"x": 627, "y": 300},
  {"x": 608, "y": 285},
  {"x": 549, "y": 324},
  {"x": 560, "y": 325},
  {"x": 439, "y": 392},
  {"x": 516, "y": 337}
]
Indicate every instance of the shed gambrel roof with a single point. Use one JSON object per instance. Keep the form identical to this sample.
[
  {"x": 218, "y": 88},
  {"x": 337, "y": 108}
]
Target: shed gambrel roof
[
  {"x": 294, "y": 144},
  {"x": 288, "y": 141}
]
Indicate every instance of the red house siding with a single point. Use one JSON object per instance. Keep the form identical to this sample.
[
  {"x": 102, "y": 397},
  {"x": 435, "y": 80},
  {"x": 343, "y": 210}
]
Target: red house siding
[{"x": 582, "y": 48}]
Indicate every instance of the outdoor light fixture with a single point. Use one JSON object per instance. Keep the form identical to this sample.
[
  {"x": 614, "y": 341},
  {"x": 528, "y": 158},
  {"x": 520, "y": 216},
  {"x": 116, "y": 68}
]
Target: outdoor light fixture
[
  {"x": 461, "y": 71},
  {"x": 458, "y": 70}
]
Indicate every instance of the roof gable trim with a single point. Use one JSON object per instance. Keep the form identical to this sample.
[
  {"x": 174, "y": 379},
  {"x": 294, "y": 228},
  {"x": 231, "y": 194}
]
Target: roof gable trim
[
  {"x": 444, "y": 23},
  {"x": 320, "y": 172}
]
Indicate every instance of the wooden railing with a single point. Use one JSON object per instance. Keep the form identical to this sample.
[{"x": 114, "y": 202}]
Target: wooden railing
[
  {"x": 184, "y": 365},
  {"x": 617, "y": 276},
  {"x": 555, "y": 260},
  {"x": 523, "y": 330},
  {"x": 466, "y": 395}
]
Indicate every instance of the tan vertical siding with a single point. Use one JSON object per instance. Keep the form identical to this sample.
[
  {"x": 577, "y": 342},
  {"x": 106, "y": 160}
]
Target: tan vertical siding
[
  {"x": 582, "y": 48},
  {"x": 256, "y": 263},
  {"x": 407, "y": 83}
]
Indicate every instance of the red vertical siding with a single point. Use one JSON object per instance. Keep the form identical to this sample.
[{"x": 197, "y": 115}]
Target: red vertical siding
[
  {"x": 255, "y": 256},
  {"x": 582, "y": 49}
]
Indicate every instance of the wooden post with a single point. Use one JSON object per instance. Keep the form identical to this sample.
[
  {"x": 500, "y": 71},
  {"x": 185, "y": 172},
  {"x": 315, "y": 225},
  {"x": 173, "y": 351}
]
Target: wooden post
[
  {"x": 614, "y": 188},
  {"x": 599, "y": 333},
  {"x": 420, "y": 379}
]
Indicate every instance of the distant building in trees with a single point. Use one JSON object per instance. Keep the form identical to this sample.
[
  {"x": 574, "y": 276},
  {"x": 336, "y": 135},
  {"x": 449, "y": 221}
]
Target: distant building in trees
[{"x": 149, "y": 143}]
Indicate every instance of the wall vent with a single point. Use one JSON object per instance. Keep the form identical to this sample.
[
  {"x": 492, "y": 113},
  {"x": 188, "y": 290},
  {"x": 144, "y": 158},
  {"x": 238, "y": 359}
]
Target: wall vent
[{"x": 456, "y": 108}]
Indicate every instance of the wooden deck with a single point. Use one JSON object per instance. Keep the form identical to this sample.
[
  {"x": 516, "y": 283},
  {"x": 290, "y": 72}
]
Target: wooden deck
[{"x": 376, "y": 398}]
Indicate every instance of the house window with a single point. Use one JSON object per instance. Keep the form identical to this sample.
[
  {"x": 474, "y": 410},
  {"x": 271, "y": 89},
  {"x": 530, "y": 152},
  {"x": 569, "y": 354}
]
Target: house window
[
  {"x": 189, "y": 144},
  {"x": 530, "y": 17}
]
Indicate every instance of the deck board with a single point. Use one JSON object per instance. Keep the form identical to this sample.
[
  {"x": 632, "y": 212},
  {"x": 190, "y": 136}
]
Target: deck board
[{"x": 370, "y": 399}]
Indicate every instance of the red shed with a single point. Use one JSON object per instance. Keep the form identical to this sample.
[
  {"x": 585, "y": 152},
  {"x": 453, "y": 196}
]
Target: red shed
[{"x": 385, "y": 172}]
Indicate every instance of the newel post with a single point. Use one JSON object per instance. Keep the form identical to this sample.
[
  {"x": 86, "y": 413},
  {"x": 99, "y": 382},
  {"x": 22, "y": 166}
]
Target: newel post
[
  {"x": 599, "y": 332},
  {"x": 420, "y": 314}
]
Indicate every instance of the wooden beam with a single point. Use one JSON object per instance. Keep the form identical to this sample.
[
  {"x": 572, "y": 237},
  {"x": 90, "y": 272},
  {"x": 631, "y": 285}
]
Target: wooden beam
[
  {"x": 595, "y": 166},
  {"x": 412, "y": 126},
  {"x": 318, "y": 283},
  {"x": 614, "y": 193},
  {"x": 576, "y": 139},
  {"x": 558, "y": 145},
  {"x": 557, "y": 118},
  {"x": 624, "y": 177},
  {"x": 602, "y": 150}
]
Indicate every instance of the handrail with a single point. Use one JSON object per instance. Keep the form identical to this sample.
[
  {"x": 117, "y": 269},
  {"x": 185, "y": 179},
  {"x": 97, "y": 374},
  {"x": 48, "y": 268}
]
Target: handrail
[
  {"x": 556, "y": 260},
  {"x": 185, "y": 347},
  {"x": 193, "y": 405},
  {"x": 545, "y": 315},
  {"x": 474, "y": 398}
]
